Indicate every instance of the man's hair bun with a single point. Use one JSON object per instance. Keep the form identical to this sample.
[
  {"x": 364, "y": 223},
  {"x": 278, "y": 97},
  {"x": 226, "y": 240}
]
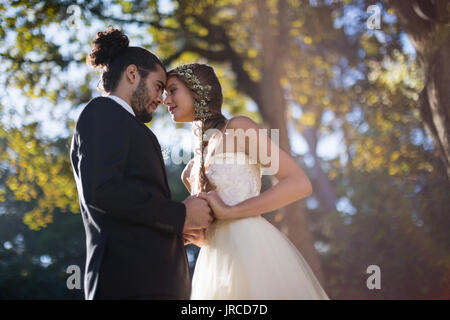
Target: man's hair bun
[{"x": 106, "y": 46}]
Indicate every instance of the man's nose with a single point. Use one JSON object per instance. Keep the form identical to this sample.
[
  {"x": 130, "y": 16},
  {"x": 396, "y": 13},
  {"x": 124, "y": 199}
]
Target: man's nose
[{"x": 159, "y": 99}]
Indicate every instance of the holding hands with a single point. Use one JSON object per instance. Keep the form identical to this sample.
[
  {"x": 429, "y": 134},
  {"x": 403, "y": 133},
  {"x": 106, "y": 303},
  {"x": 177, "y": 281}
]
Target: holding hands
[
  {"x": 220, "y": 210},
  {"x": 198, "y": 213}
]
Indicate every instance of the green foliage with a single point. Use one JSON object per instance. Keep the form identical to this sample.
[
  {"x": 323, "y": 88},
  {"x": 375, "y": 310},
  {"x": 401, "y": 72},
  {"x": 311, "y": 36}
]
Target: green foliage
[
  {"x": 358, "y": 84},
  {"x": 38, "y": 171}
]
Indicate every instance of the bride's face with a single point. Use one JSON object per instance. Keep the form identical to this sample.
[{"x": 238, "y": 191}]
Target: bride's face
[{"x": 179, "y": 100}]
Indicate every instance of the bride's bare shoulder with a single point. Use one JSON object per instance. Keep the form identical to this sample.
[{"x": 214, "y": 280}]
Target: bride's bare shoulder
[
  {"x": 187, "y": 169},
  {"x": 242, "y": 122}
]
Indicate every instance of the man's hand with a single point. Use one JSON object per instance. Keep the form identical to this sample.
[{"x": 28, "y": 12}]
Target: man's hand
[{"x": 198, "y": 213}]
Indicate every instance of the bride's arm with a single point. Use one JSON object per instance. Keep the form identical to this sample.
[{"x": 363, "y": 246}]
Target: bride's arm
[
  {"x": 196, "y": 236},
  {"x": 293, "y": 184},
  {"x": 185, "y": 175}
]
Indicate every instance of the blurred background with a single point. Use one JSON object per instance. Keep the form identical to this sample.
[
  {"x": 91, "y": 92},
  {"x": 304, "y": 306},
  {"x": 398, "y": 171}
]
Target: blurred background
[{"x": 359, "y": 90}]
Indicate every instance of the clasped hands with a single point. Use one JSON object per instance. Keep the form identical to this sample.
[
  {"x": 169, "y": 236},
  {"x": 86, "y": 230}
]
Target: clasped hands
[{"x": 220, "y": 211}]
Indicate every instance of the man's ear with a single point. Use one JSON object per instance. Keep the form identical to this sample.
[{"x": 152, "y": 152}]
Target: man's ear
[{"x": 132, "y": 74}]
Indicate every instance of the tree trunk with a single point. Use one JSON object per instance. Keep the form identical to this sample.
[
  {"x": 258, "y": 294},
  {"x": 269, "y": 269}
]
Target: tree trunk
[
  {"x": 272, "y": 106},
  {"x": 321, "y": 182},
  {"x": 427, "y": 24}
]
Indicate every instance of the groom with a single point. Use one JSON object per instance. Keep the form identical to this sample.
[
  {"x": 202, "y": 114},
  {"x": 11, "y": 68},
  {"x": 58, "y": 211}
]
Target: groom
[{"x": 133, "y": 229}]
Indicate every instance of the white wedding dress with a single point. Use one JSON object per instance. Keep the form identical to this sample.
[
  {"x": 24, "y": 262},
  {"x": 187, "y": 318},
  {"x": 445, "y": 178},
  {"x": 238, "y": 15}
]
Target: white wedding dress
[{"x": 246, "y": 258}]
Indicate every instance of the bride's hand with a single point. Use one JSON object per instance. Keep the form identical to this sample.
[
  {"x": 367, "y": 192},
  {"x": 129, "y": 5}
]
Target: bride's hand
[
  {"x": 194, "y": 236},
  {"x": 220, "y": 209}
]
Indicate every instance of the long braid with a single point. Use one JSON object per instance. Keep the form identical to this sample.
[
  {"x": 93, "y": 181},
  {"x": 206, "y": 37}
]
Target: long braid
[
  {"x": 218, "y": 122},
  {"x": 203, "y": 177}
]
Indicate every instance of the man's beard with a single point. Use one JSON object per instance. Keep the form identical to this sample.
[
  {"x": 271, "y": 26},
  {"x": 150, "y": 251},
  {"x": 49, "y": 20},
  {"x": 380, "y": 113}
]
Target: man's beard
[{"x": 140, "y": 100}]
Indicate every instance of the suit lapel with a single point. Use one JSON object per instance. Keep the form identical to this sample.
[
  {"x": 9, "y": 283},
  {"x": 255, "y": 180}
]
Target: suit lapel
[
  {"x": 158, "y": 151},
  {"x": 155, "y": 144}
]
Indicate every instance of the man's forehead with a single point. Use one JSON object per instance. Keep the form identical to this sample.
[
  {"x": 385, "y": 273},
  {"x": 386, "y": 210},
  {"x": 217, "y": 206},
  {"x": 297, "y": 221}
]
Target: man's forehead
[
  {"x": 162, "y": 76},
  {"x": 158, "y": 76}
]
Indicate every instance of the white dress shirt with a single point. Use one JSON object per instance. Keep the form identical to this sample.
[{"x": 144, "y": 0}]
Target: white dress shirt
[{"x": 123, "y": 103}]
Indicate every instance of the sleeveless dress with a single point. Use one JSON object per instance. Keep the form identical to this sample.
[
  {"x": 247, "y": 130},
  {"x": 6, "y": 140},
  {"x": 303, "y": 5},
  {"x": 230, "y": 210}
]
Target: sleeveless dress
[{"x": 247, "y": 258}]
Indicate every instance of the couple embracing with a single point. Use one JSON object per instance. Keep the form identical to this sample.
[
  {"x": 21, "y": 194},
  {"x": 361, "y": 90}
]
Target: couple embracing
[{"x": 135, "y": 233}]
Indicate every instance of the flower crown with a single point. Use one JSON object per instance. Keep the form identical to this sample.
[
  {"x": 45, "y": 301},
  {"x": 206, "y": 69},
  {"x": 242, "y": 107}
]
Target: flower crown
[{"x": 201, "y": 111}]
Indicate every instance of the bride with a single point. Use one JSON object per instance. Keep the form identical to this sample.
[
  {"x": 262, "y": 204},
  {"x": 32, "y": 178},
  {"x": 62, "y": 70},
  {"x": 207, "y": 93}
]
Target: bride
[{"x": 242, "y": 255}]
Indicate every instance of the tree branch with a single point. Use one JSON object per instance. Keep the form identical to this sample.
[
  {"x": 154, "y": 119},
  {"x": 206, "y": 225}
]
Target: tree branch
[
  {"x": 21, "y": 60},
  {"x": 96, "y": 11},
  {"x": 244, "y": 83}
]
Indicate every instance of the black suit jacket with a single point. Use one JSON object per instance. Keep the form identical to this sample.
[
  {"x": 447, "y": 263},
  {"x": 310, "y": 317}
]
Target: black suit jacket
[{"x": 133, "y": 229}]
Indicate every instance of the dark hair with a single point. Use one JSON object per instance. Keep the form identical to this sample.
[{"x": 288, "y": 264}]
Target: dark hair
[
  {"x": 206, "y": 75},
  {"x": 112, "y": 53}
]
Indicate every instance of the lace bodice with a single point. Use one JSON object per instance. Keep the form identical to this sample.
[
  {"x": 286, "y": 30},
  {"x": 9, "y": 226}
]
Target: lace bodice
[{"x": 235, "y": 177}]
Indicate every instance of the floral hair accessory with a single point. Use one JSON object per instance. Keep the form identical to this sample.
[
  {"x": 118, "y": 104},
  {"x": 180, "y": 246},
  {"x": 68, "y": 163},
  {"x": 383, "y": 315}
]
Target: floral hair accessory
[{"x": 201, "y": 111}]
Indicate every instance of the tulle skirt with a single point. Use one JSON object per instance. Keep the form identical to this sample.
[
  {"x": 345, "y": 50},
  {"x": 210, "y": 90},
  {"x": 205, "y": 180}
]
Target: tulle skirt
[{"x": 249, "y": 258}]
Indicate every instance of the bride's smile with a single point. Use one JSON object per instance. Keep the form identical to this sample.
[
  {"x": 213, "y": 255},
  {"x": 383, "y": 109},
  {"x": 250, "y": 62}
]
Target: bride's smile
[{"x": 171, "y": 109}]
